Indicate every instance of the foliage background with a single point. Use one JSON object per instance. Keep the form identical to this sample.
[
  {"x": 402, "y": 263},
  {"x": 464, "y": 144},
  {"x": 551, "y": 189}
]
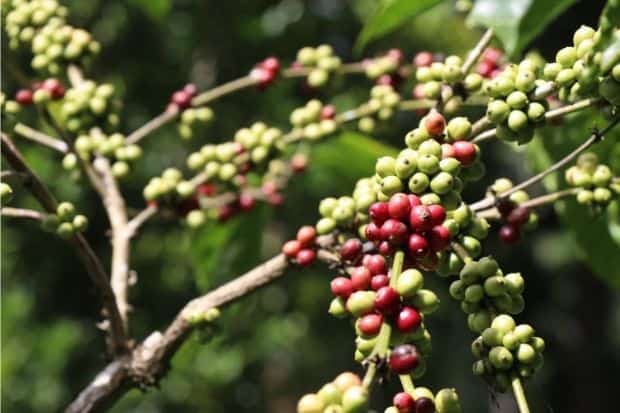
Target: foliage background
[{"x": 280, "y": 342}]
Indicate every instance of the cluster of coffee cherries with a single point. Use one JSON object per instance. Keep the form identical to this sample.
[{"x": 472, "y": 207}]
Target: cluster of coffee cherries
[
  {"x": 65, "y": 222},
  {"x": 386, "y": 64},
  {"x": 568, "y": 70},
  {"x": 345, "y": 394},
  {"x": 513, "y": 109},
  {"x": 505, "y": 350},
  {"x": 193, "y": 120},
  {"x": 113, "y": 147},
  {"x": 421, "y": 400},
  {"x": 88, "y": 104},
  {"x": 382, "y": 105},
  {"x": 515, "y": 218},
  {"x": 41, "y": 92},
  {"x": 6, "y": 193},
  {"x": 168, "y": 187},
  {"x": 314, "y": 120},
  {"x": 437, "y": 72},
  {"x": 261, "y": 141},
  {"x": 224, "y": 162},
  {"x": 321, "y": 61},
  {"x": 594, "y": 180},
  {"x": 302, "y": 248},
  {"x": 266, "y": 71},
  {"x": 25, "y": 17},
  {"x": 610, "y": 86},
  {"x": 483, "y": 289}
]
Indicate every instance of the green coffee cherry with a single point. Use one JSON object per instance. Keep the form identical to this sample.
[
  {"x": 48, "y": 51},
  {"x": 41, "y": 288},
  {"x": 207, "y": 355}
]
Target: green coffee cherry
[
  {"x": 6, "y": 193},
  {"x": 409, "y": 282},
  {"x": 447, "y": 401},
  {"x": 310, "y": 403},
  {"x": 426, "y": 301},
  {"x": 355, "y": 400},
  {"x": 501, "y": 358}
]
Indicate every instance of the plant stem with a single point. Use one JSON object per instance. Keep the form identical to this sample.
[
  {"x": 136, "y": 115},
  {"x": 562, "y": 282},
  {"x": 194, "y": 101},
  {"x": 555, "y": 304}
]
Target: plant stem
[
  {"x": 41, "y": 138},
  {"x": 152, "y": 125},
  {"x": 460, "y": 251},
  {"x": 519, "y": 393},
  {"x": 407, "y": 383},
  {"x": 493, "y": 213},
  {"x": 475, "y": 53},
  {"x": 397, "y": 267},
  {"x": 21, "y": 213},
  {"x": 369, "y": 376}
]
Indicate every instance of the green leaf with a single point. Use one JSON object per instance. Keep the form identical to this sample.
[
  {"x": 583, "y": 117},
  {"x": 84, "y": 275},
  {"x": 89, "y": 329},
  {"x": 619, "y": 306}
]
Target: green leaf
[
  {"x": 155, "y": 9},
  {"x": 597, "y": 236},
  {"x": 389, "y": 16},
  {"x": 516, "y": 22}
]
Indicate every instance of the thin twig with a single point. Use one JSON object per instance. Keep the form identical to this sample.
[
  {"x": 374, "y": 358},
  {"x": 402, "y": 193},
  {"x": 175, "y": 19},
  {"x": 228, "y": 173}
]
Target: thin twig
[
  {"x": 9, "y": 174},
  {"x": 152, "y": 125},
  {"x": 41, "y": 138},
  {"x": 84, "y": 251},
  {"x": 475, "y": 53},
  {"x": 136, "y": 222},
  {"x": 224, "y": 89},
  {"x": 21, "y": 213},
  {"x": 594, "y": 137},
  {"x": 493, "y": 213}
]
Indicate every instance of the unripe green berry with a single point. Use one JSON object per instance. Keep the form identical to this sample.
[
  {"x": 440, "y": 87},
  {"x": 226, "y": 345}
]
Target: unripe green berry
[
  {"x": 457, "y": 290},
  {"x": 409, "y": 282},
  {"x": 474, "y": 293},
  {"x": 517, "y": 120},
  {"x": 385, "y": 166},
  {"x": 65, "y": 230},
  {"x": 536, "y": 112},
  {"x": 65, "y": 211},
  {"x": 447, "y": 401},
  {"x": 6, "y": 193},
  {"x": 459, "y": 128},
  {"x": 442, "y": 183},
  {"x": 566, "y": 56},
  {"x": 479, "y": 321},
  {"x": 426, "y": 301},
  {"x": 582, "y": 33},
  {"x": 503, "y": 323},
  {"x": 500, "y": 358},
  {"x": 497, "y": 111},
  {"x": 517, "y": 100},
  {"x": 310, "y": 403},
  {"x": 391, "y": 185},
  {"x": 565, "y": 77},
  {"x": 337, "y": 307},
  {"x": 355, "y": 400},
  {"x": 472, "y": 82},
  {"x": 366, "y": 124},
  {"x": 526, "y": 354},
  {"x": 602, "y": 195},
  {"x": 418, "y": 183},
  {"x": 525, "y": 81}
]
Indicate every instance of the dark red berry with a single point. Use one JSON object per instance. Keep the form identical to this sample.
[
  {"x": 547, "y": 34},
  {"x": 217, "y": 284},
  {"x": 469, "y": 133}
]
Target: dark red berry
[
  {"x": 373, "y": 232},
  {"x": 370, "y": 324},
  {"x": 263, "y": 76},
  {"x": 518, "y": 216},
  {"x": 464, "y": 152},
  {"x": 434, "y": 123},
  {"x": 420, "y": 218},
  {"x": 225, "y": 212},
  {"x": 56, "y": 89},
  {"x": 186, "y": 206},
  {"x": 246, "y": 201},
  {"x": 423, "y": 59},
  {"x": 386, "y": 79},
  {"x": 404, "y": 402},
  {"x": 306, "y": 235},
  {"x": 387, "y": 300},
  {"x": 291, "y": 248},
  {"x": 439, "y": 238},
  {"x": 399, "y": 207},
  {"x": 414, "y": 200},
  {"x": 24, "y": 97},
  {"x": 305, "y": 257},
  {"x": 342, "y": 287},
  {"x": 360, "y": 278},
  {"x": 379, "y": 212},
  {"x": 351, "y": 249},
  {"x": 438, "y": 214},
  {"x": 509, "y": 234},
  {"x": 206, "y": 189},
  {"x": 386, "y": 249},
  {"x": 424, "y": 405},
  {"x": 408, "y": 320},
  {"x": 418, "y": 246},
  {"x": 394, "y": 231},
  {"x": 328, "y": 112},
  {"x": 404, "y": 358},
  {"x": 271, "y": 64},
  {"x": 505, "y": 206},
  {"x": 485, "y": 69},
  {"x": 191, "y": 89},
  {"x": 376, "y": 264},
  {"x": 182, "y": 99},
  {"x": 378, "y": 281}
]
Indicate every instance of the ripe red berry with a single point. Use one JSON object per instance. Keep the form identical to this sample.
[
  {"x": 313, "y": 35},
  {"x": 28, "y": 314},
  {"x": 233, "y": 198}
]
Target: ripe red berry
[
  {"x": 492, "y": 55},
  {"x": 399, "y": 206},
  {"x": 420, "y": 218},
  {"x": 370, "y": 324},
  {"x": 408, "y": 320},
  {"x": 518, "y": 216},
  {"x": 414, "y": 200},
  {"x": 394, "y": 231},
  {"x": 509, "y": 234},
  {"x": 342, "y": 287},
  {"x": 418, "y": 246},
  {"x": 246, "y": 201},
  {"x": 386, "y": 79},
  {"x": 434, "y": 123},
  {"x": 376, "y": 264},
  {"x": 505, "y": 206},
  {"x": 306, "y": 235},
  {"x": 182, "y": 99},
  {"x": 485, "y": 69},
  {"x": 360, "y": 278},
  {"x": 291, "y": 248},
  {"x": 191, "y": 89},
  {"x": 299, "y": 163},
  {"x": 386, "y": 249},
  {"x": 423, "y": 59},
  {"x": 395, "y": 54},
  {"x": 379, "y": 212},
  {"x": 56, "y": 89},
  {"x": 305, "y": 257},
  {"x": 439, "y": 238},
  {"x": 24, "y": 97},
  {"x": 404, "y": 358},
  {"x": 447, "y": 151},
  {"x": 373, "y": 232},
  {"x": 271, "y": 64},
  {"x": 351, "y": 249},
  {"x": 328, "y": 112},
  {"x": 269, "y": 188},
  {"x": 424, "y": 405},
  {"x": 387, "y": 300},
  {"x": 438, "y": 213},
  {"x": 404, "y": 402},
  {"x": 378, "y": 281},
  {"x": 464, "y": 152},
  {"x": 206, "y": 189}
]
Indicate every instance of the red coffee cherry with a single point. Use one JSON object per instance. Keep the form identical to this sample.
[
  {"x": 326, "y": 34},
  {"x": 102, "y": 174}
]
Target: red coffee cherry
[
  {"x": 399, "y": 206},
  {"x": 271, "y": 64},
  {"x": 291, "y": 248},
  {"x": 376, "y": 264},
  {"x": 505, "y": 206},
  {"x": 328, "y": 112},
  {"x": 408, "y": 320},
  {"x": 404, "y": 358},
  {"x": 404, "y": 402},
  {"x": 485, "y": 69},
  {"x": 56, "y": 89},
  {"x": 342, "y": 287},
  {"x": 414, "y": 200},
  {"x": 378, "y": 281},
  {"x": 306, "y": 235},
  {"x": 360, "y": 278},
  {"x": 24, "y": 97},
  {"x": 351, "y": 249},
  {"x": 423, "y": 59},
  {"x": 492, "y": 55},
  {"x": 386, "y": 248},
  {"x": 434, "y": 123},
  {"x": 246, "y": 201},
  {"x": 299, "y": 163},
  {"x": 373, "y": 232},
  {"x": 420, "y": 218},
  {"x": 225, "y": 212},
  {"x": 394, "y": 231},
  {"x": 181, "y": 99},
  {"x": 305, "y": 257},
  {"x": 418, "y": 246},
  {"x": 424, "y": 405},
  {"x": 439, "y": 238},
  {"x": 387, "y": 300},
  {"x": 379, "y": 212},
  {"x": 518, "y": 216},
  {"x": 438, "y": 214},
  {"x": 370, "y": 324},
  {"x": 447, "y": 151},
  {"x": 509, "y": 234},
  {"x": 191, "y": 89},
  {"x": 464, "y": 152}
]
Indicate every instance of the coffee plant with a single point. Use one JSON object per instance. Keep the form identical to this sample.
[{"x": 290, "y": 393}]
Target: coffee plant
[{"x": 404, "y": 222}]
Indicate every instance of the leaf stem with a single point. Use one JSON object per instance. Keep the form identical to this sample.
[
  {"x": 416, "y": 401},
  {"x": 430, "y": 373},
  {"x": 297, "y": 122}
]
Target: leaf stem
[{"x": 519, "y": 393}]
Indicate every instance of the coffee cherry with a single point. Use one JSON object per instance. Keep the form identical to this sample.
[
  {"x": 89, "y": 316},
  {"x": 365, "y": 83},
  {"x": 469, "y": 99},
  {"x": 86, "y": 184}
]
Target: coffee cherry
[
  {"x": 394, "y": 231},
  {"x": 509, "y": 234},
  {"x": 378, "y": 281},
  {"x": 305, "y": 257},
  {"x": 438, "y": 214},
  {"x": 399, "y": 206},
  {"x": 408, "y": 320},
  {"x": 387, "y": 300},
  {"x": 54, "y": 87},
  {"x": 306, "y": 235},
  {"x": 379, "y": 212},
  {"x": 424, "y": 405},
  {"x": 347, "y": 380},
  {"x": 342, "y": 287},
  {"x": 360, "y": 278},
  {"x": 518, "y": 216},
  {"x": 421, "y": 218},
  {"x": 500, "y": 358},
  {"x": 505, "y": 206},
  {"x": 434, "y": 123},
  {"x": 465, "y": 152},
  {"x": 351, "y": 249},
  {"x": 181, "y": 99},
  {"x": 447, "y": 401},
  {"x": 376, "y": 264},
  {"x": 370, "y": 324},
  {"x": 418, "y": 246},
  {"x": 423, "y": 59},
  {"x": 355, "y": 400},
  {"x": 404, "y": 358},
  {"x": 439, "y": 238},
  {"x": 404, "y": 403},
  {"x": 24, "y": 97},
  {"x": 310, "y": 403},
  {"x": 409, "y": 282},
  {"x": 425, "y": 301}
]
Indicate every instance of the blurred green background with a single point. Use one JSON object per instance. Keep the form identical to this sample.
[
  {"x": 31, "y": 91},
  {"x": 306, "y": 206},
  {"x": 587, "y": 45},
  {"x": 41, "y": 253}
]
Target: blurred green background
[{"x": 280, "y": 342}]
